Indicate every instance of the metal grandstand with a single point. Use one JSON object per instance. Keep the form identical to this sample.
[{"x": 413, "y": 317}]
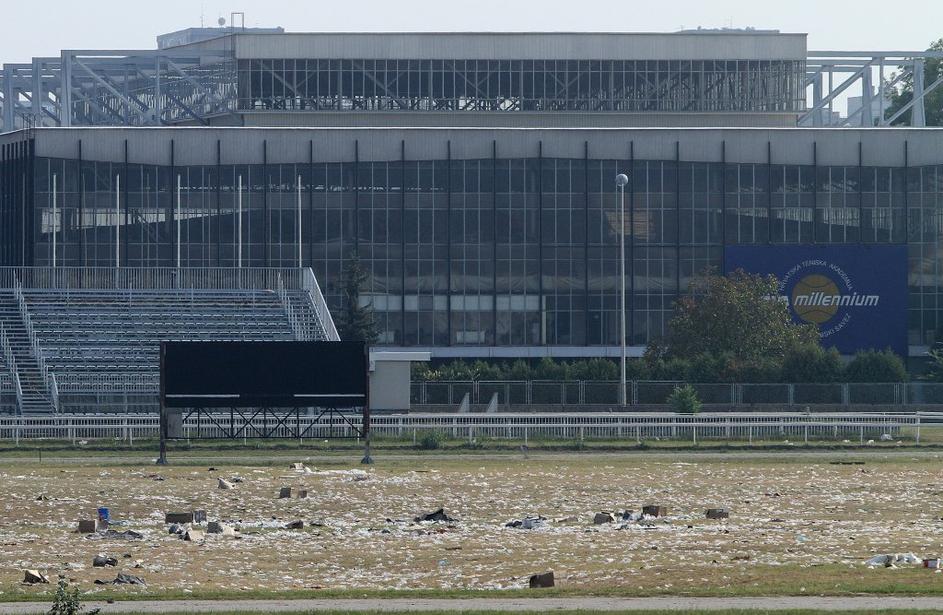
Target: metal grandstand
[{"x": 78, "y": 339}]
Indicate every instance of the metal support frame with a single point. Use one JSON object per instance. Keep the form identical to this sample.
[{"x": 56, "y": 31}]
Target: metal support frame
[
  {"x": 282, "y": 418},
  {"x": 181, "y": 86},
  {"x": 829, "y": 74},
  {"x": 118, "y": 88}
]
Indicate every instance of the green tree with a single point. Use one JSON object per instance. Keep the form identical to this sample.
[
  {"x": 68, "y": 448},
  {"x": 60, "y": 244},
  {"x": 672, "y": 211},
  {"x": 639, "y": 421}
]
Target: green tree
[
  {"x": 903, "y": 93},
  {"x": 812, "y": 364},
  {"x": 684, "y": 400},
  {"x": 935, "y": 367},
  {"x": 876, "y": 366},
  {"x": 356, "y": 322},
  {"x": 738, "y": 316}
]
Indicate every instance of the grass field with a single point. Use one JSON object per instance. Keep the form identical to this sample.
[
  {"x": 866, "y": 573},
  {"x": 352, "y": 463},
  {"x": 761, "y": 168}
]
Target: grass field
[{"x": 801, "y": 524}]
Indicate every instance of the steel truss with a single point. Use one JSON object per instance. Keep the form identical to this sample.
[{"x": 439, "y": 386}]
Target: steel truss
[
  {"x": 117, "y": 88},
  {"x": 286, "y": 423},
  {"x": 831, "y": 73}
]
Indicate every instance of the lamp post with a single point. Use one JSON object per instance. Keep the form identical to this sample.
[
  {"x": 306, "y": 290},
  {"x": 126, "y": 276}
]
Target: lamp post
[{"x": 621, "y": 181}]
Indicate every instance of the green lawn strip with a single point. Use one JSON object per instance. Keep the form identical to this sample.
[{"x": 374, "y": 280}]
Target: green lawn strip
[
  {"x": 758, "y": 581},
  {"x": 42, "y": 450},
  {"x": 537, "y": 609}
]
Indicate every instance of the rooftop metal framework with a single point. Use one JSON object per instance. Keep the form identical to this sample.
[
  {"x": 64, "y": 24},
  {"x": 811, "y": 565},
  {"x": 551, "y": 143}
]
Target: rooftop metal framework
[
  {"x": 830, "y": 74},
  {"x": 117, "y": 88},
  {"x": 192, "y": 84}
]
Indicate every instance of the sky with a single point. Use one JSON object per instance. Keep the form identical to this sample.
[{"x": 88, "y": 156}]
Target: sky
[{"x": 28, "y": 29}]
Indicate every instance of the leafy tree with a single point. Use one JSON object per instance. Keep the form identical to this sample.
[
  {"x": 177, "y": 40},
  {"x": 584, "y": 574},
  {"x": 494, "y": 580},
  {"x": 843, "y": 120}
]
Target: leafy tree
[
  {"x": 903, "y": 93},
  {"x": 684, "y": 400},
  {"x": 935, "y": 367},
  {"x": 706, "y": 367},
  {"x": 812, "y": 364},
  {"x": 876, "y": 366},
  {"x": 738, "y": 316},
  {"x": 356, "y": 322}
]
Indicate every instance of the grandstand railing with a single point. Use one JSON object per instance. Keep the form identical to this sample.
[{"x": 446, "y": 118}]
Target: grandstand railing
[
  {"x": 152, "y": 278},
  {"x": 796, "y": 427},
  {"x": 36, "y": 349},
  {"x": 10, "y": 360},
  {"x": 655, "y": 393},
  {"x": 54, "y": 392},
  {"x": 310, "y": 283},
  {"x": 294, "y": 321}
]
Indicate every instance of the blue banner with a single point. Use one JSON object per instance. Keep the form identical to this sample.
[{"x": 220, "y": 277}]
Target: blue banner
[{"x": 856, "y": 294}]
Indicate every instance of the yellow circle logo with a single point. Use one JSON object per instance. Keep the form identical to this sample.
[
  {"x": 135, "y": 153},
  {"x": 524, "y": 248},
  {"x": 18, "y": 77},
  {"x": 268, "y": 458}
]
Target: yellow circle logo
[{"x": 807, "y": 299}]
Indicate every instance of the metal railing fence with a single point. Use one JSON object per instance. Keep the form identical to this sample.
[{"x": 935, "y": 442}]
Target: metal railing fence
[
  {"x": 309, "y": 282},
  {"x": 10, "y": 361},
  {"x": 656, "y": 393},
  {"x": 794, "y": 426},
  {"x": 152, "y": 278}
]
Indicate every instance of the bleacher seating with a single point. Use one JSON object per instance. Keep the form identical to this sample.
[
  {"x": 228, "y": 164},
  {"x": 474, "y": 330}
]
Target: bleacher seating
[
  {"x": 93, "y": 339},
  {"x": 88, "y": 331}
]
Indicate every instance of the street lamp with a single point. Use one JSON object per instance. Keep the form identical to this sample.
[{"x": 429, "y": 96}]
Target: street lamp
[{"x": 621, "y": 181}]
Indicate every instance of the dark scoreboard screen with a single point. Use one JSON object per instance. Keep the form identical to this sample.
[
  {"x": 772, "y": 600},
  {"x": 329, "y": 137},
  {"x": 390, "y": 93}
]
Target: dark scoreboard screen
[{"x": 263, "y": 374}]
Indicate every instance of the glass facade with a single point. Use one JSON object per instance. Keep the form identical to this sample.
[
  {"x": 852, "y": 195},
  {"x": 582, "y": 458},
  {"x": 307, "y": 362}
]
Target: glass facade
[
  {"x": 478, "y": 252},
  {"x": 522, "y": 85}
]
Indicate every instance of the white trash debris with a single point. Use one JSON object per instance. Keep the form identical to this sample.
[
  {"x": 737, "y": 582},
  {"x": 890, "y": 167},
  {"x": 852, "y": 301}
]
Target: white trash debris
[{"x": 891, "y": 560}]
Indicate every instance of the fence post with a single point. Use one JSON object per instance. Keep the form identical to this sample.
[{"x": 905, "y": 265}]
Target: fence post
[{"x": 918, "y": 429}]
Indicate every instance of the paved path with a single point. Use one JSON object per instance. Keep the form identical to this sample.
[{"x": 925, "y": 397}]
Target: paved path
[{"x": 393, "y": 605}]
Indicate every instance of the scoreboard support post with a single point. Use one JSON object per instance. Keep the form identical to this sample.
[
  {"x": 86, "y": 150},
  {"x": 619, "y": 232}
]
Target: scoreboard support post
[{"x": 365, "y": 426}]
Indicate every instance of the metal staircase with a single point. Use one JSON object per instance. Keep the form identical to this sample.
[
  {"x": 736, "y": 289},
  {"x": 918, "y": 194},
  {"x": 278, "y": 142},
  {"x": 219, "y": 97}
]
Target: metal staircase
[{"x": 26, "y": 366}]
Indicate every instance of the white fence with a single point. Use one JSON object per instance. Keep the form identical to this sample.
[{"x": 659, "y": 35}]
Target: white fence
[{"x": 797, "y": 427}]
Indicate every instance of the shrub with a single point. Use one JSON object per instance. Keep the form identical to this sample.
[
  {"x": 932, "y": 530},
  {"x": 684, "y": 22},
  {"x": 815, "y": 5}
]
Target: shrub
[
  {"x": 600, "y": 369},
  {"x": 876, "y": 366},
  {"x": 812, "y": 364},
  {"x": 548, "y": 369},
  {"x": 684, "y": 400},
  {"x": 430, "y": 441},
  {"x": 66, "y": 601},
  {"x": 706, "y": 367}
]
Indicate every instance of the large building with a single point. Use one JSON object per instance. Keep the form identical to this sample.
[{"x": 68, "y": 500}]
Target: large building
[{"x": 473, "y": 177}]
